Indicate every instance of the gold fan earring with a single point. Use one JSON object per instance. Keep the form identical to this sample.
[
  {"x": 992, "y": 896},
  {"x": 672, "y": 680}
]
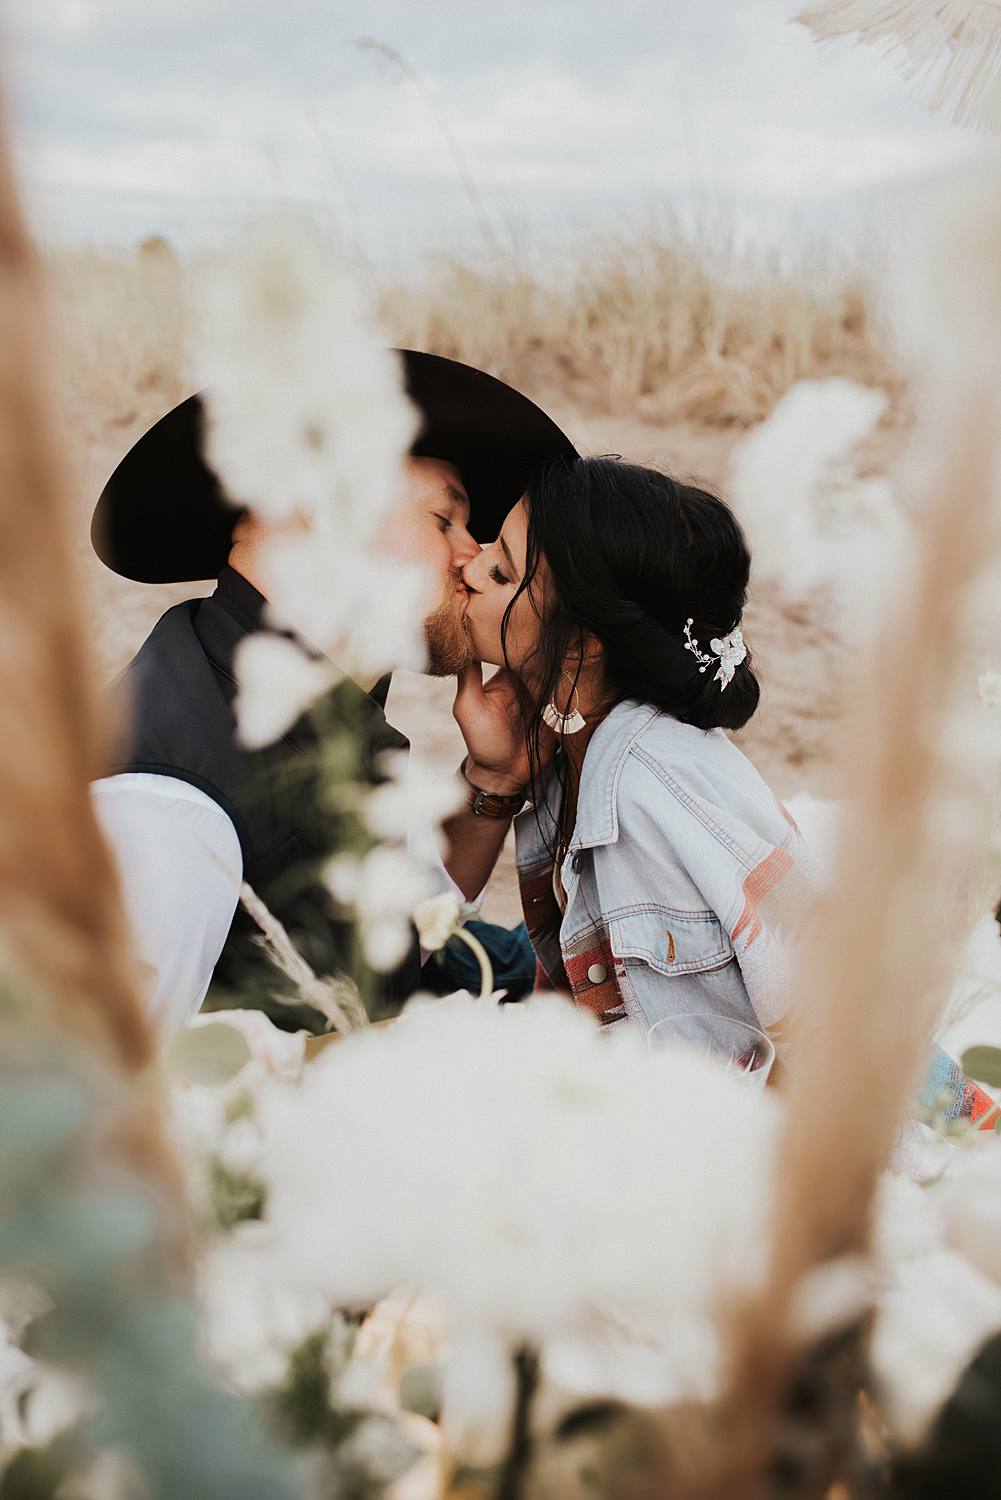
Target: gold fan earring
[{"x": 570, "y": 722}]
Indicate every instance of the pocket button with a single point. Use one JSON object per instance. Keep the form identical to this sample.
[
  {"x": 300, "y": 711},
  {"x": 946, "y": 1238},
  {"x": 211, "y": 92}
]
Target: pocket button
[{"x": 597, "y": 973}]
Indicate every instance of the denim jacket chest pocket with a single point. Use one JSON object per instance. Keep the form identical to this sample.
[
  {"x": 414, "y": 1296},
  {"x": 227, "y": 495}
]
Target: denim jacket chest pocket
[
  {"x": 667, "y": 939},
  {"x": 672, "y": 940}
]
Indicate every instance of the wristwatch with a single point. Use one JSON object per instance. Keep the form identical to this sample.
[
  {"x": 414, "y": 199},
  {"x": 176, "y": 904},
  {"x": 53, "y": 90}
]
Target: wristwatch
[{"x": 491, "y": 804}]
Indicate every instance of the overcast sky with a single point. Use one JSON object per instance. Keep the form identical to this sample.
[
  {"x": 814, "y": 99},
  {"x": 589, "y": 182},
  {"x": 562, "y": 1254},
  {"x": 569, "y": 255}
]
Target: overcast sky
[{"x": 184, "y": 117}]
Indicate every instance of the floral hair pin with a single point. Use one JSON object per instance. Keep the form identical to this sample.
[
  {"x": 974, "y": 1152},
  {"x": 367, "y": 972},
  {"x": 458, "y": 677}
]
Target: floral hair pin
[{"x": 728, "y": 650}]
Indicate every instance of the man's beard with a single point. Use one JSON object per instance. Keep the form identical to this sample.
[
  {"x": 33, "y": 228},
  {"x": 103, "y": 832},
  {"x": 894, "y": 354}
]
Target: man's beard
[{"x": 450, "y": 646}]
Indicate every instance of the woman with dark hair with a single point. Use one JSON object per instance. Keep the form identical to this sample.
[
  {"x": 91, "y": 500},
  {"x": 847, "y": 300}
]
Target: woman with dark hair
[{"x": 659, "y": 875}]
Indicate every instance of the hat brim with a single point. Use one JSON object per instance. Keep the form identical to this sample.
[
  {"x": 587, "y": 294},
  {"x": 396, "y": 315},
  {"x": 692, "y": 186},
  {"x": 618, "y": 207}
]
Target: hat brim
[{"x": 163, "y": 516}]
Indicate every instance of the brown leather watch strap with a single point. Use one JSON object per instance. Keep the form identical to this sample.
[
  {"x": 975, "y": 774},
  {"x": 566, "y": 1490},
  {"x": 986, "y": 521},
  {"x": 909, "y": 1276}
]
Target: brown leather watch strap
[{"x": 490, "y": 804}]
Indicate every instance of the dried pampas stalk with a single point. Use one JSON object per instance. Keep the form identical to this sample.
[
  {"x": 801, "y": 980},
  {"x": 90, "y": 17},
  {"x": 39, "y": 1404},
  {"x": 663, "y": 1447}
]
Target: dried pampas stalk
[
  {"x": 876, "y": 970},
  {"x": 62, "y": 928},
  {"x": 337, "y": 1000},
  {"x": 950, "y": 48}
]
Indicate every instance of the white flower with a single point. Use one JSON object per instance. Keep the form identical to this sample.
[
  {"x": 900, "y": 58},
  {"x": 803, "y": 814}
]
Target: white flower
[
  {"x": 832, "y": 1296},
  {"x": 240, "y": 1148},
  {"x": 384, "y": 887},
  {"x": 989, "y": 688},
  {"x": 436, "y": 919},
  {"x": 364, "y": 609},
  {"x": 251, "y": 1320},
  {"x": 812, "y": 519},
  {"x": 277, "y": 683},
  {"x": 731, "y": 651},
  {"x": 971, "y": 1015},
  {"x": 635, "y": 1366},
  {"x": 970, "y": 1197},
  {"x": 305, "y": 411},
  {"x": 37, "y": 1400},
  {"x": 412, "y": 803},
  {"x": 517, "y": 1163},
  {"x": 944, "y": 273},
  {"x": 930, "y": 1323},
  {"x": 307, "y": 419},
  {"x": 478, "y": 1397},
  {"x": 936, "y": 1307},
  {"x": 204, "y": 1123}
]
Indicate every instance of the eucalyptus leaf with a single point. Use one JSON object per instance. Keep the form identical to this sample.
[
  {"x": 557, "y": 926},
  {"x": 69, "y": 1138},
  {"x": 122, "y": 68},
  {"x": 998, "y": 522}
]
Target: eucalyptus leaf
[
  {"x": 79, "y": 1233},
  {"x": 41, "y": 1112},
  {"x": 983, "y": 1065},
  {"x": 209, "y": 1055},
  {"x": 188, "y": 1435},
  {"x": 420, "y": 1390}
]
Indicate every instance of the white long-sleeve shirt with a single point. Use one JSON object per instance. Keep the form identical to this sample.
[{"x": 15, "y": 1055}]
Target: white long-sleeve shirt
[{"x": 181, "y": 867}]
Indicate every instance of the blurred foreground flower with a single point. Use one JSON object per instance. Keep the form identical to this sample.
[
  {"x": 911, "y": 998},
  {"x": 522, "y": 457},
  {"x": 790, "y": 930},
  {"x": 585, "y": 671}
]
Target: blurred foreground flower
[
  {"x": 936, "y": 1308},
  {"x": 277, "y": 683},
  {"x": 812, "y": 519},
  {"x": 544, "y": 1179},
  {"x": 384, "y": 886},
  {"x": 364, "y": 609},
  {"x": 411, "y": 803},
  {"x": 306, "y": 411},
  {"x": 308, "y": 425},
  {"x": 436, "y": 919},
  {"x": 439, "y": 919}
]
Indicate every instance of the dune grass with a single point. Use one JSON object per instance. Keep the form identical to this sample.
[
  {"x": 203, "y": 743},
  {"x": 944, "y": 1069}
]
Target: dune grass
[{"x": 660, "y": 325}]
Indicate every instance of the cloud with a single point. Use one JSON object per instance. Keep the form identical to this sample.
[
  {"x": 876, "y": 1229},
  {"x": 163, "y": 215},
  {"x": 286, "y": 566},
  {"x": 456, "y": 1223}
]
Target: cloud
[{"x": 561, "y": 111}]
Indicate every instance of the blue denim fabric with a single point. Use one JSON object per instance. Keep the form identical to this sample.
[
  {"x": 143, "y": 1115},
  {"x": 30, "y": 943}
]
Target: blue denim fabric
[
  {"x": 671, "y": 823},
  {"x": 511, "y": 954}
]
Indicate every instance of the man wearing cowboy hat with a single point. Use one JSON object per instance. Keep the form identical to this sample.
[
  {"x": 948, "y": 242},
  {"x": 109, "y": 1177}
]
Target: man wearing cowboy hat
[{"x": 191, "y": 812}]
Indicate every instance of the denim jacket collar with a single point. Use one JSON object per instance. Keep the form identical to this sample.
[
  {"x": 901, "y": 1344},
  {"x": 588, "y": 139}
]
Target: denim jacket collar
[{"x": 597, "y": 804}]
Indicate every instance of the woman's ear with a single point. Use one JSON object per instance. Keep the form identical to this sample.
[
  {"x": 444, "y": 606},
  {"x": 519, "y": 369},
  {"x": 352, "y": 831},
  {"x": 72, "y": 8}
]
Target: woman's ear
[
  {"x": 587, "y": 653},
  {"x": 591, "y": 649}
]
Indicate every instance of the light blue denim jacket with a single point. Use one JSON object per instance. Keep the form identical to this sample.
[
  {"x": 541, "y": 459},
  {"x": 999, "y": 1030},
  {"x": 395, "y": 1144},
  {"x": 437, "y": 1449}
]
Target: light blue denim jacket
[
  {"x": 685, "y": 878},
  {"x": 686, "y": 883}
]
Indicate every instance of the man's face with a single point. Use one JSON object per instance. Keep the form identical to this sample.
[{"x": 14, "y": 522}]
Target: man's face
[{"x": 430, "y": 526}]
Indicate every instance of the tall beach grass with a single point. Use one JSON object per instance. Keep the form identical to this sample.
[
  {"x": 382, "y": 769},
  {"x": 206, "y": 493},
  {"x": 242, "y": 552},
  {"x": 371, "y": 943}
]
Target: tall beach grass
[{"x": 658, "y": 324}]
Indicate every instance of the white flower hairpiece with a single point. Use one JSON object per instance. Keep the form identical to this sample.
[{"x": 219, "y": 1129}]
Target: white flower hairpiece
[{"x": 728, "y": 650}]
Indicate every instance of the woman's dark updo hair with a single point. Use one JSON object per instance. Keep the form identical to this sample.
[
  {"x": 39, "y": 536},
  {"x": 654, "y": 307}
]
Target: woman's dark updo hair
[{"x": 632, "y": 556}]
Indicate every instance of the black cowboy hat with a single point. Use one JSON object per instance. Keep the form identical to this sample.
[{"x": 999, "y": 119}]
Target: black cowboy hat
[{"x": 163, "y": 517}]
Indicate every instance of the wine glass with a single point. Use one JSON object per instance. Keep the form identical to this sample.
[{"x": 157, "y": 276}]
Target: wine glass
[{"x": 741, "y": 1048}]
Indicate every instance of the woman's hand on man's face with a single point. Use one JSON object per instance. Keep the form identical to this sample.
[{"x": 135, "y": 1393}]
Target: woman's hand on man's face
[{"x": 489, "y": 716}]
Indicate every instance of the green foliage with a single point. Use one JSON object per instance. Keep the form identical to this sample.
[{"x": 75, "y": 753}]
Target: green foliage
[
  {"x": 302, "y": 1407},
  {"x": 75, "y": 1224},
  {"x": 983, "y": 1065},
  {"x": 188, "y": 1434},
  {"x": 36, "y": 1473},
  {"x": 356, "y": 1452},
  {"x": 235, "y": 1196},
  {"x": 420, "y": 1390},
  {"x": 208, "y": 1055}
]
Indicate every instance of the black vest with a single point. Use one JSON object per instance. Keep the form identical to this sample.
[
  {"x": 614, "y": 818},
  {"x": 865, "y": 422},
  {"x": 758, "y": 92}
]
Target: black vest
[{"x": 179, "y": 690}]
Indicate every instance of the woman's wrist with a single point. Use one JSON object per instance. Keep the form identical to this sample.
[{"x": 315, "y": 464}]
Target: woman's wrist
[{"x": 498, "y": 783}]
